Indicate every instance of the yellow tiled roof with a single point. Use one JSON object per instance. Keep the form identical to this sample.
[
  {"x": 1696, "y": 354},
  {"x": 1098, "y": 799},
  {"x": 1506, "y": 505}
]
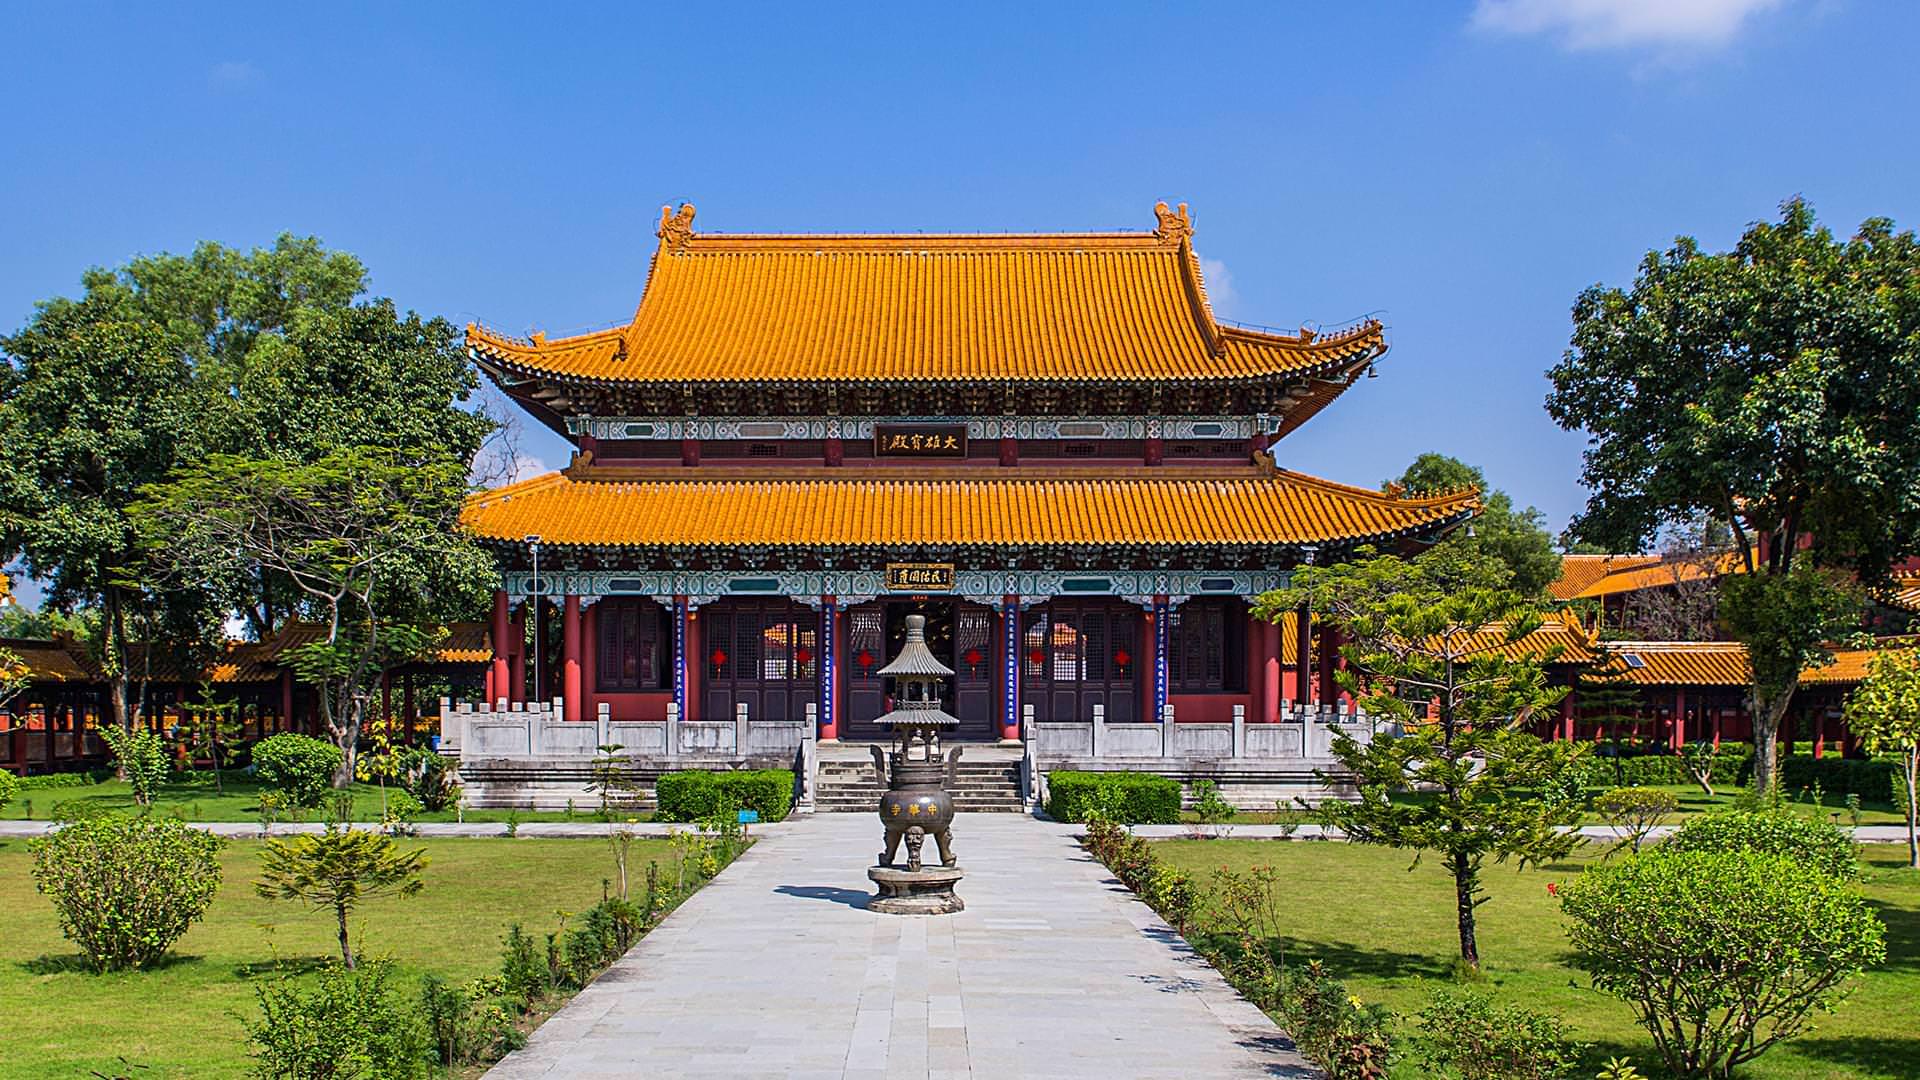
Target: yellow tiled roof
[
  {"x": 1556, "y": 632},
  {"x": 1271, "y": 508},
  {"x": 1905, "y": 593},
  {"x": 1658, "y": 572},
  {"x": 1068, "y": 307},
  {"x": 1680, "y": 663},
  {"x": 1577, "y": 572},
  {"x": 1850, "y": 665}
]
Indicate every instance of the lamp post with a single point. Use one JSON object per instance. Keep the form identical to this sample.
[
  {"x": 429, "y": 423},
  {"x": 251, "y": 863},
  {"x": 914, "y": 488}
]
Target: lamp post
[{"x": 534, "y": 591}]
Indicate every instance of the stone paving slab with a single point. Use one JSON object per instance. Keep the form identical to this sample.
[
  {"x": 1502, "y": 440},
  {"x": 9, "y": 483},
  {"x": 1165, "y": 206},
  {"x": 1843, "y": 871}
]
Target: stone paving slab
[{"x": 777, "y": 970}]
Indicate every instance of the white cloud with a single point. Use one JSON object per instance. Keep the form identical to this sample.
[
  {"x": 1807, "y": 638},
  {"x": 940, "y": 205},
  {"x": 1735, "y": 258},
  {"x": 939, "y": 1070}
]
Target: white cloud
[
  {"x": 1606, "y": 24},
  {"x": 233, "y": 74},
  {"x": 1219, "y": 282}
]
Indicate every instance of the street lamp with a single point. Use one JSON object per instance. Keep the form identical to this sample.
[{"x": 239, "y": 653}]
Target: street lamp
[{"x": 533, "y": 600}]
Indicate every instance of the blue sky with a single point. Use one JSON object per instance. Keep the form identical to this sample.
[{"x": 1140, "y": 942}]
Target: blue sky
[{"x": 1464, "y": 169}]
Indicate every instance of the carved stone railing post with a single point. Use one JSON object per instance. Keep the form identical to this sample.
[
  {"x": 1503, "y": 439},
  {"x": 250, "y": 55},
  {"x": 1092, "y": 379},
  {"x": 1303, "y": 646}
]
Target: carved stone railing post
[
  {"x": 1239, "y": 731},
  {"x": 1098, "y": 737},
  {"x": 1029, "y": 774},
  {"x": 809, "y": 759},
  {"x": 603, "y": 725},
  {"x": 740, "y": 728},
  {"x": 673, "y": 729},
  {"x": 1166, "y": 730}
]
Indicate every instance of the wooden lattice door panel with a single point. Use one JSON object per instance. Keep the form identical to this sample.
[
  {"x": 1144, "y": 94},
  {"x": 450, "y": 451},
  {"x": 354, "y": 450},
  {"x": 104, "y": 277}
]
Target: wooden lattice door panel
[
  {"x": 764, "y": 653},
  {"x": 1079, "y": 653}
]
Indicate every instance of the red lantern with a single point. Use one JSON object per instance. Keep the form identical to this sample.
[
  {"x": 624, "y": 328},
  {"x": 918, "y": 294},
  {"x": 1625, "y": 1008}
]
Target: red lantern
[
  {"x": 1121, "y": 657},
  {"x": 803, "y": 655},
  {"x": 973, "y": 658},
  {"x": 865, "y": 659},
  {"x": 718, "y": 658},
  {"x": 1036, "y": 658}
]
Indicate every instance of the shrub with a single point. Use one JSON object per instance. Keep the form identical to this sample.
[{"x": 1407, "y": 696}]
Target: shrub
[
  {"x": 402, "y": 808},
  {"x": 1818, "y": 844},
  {"x": 1128, "y": 797},
  {"x": 1209, "y": 805},
  {"x": 1720, "y": 953},
  {"x": 142, "y": 755},
  {"x": 1634, "y": 811},
  {"x": 1134, "y": 863},
  {"x": 1172, "y": 893},
  {"x": 1103, "y": 838},
  {"x": 696, "y": 794},
  {"x": 429, "y": 778},
  {"x": 524, "y": 974},
  {"x": 9, "y": 788},
  {"x": 1347, "y": 1039},
  {"x": 65, "y": 779},
  {"x": 298, "y": 766},
  {"x": 347, "y": 1024},
  {"x": 466, "y": 1025},
  {"x": 126, "y": 888},
  {"x": 1465, "y": 1031},
  {"x": 606, "y": 931}
]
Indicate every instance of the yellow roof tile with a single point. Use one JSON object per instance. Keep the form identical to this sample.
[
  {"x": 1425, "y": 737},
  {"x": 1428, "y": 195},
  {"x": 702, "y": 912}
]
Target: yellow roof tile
[
  {"x": 1577, "y": 572},
  {"x": 1271, "y": 508},
  {"x": 1068, "y": 307}
]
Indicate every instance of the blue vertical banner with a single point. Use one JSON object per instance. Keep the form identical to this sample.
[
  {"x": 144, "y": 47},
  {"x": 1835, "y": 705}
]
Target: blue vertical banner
[
  {"x": 680, "y": 654},
  {"x": 1160, "y": 614},
  {"x": 829, "y": 669},
  {"x": 1010, "y": 650}
]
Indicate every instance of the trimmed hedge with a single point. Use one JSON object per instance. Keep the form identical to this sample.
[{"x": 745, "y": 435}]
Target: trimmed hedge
[
  {"x": 1874, "y": 780},
  {"x": 1130, "y": 797},
  {"x": 698, "y": 793},
  {"x": 1825, "y": 847},
  {"x": 45, "y": 781},
  {"x": 1733, "y": 764}
]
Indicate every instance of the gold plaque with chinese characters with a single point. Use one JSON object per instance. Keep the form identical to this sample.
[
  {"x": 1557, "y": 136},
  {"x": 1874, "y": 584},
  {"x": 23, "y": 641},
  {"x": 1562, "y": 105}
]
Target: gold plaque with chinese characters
[
  {"x": 920, "y": 440},
  {"x": 919, "y": 577}
]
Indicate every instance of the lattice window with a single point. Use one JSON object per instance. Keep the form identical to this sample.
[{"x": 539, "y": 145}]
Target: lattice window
[
  {"x": 1206, "y": 647},
  {"x": 633, "y": 642}
]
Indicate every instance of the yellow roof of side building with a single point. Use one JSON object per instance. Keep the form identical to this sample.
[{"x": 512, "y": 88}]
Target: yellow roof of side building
[
  {"x": 1276, "y": 507},
  {"x": 1056, "y": 308}
]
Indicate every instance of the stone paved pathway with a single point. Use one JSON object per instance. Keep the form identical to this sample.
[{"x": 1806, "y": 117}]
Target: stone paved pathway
[{"x": 776, "y": 970}]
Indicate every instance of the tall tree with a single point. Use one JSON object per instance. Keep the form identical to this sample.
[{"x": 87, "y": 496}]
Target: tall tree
[
  {"x": 1776, "y": 387},
  {"x": 1517, "y": 538},
  {"x": 96, "y": 402},
  {"x": 1451, "y": 666},
  {"x": 369, "y": 537}
]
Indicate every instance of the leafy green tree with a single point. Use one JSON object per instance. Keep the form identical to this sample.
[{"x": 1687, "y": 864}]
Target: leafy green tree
[
  {"x": 336, "y": 870},
  {"x": 126, "y": 888},
  {"x": 368, "y": 537},
  {"x": 96, "y": 402},
  {"x": 1776, "y": 388},
  {"x": 1518, "y": 539},
  {"x": 1884, "y": 711},
  {"x": 1466, "y": 783}
]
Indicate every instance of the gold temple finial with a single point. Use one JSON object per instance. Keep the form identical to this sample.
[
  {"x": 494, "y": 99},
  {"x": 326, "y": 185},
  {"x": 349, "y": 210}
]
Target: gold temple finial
[
  {"x": 676, "y": 228},
  {"x": 1173, "y": 225}
]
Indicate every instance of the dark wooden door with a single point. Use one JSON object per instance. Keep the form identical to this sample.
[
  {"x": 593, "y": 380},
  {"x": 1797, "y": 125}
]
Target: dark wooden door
[
  {"x": 764, "y": 653},
  {"x": 1079, "y": 653}
]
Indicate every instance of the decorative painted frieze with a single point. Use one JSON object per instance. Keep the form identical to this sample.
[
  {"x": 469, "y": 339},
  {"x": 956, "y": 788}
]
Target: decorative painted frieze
[
  {"x": 773, "y": 428},
  {"x": 854, "y": 586}
]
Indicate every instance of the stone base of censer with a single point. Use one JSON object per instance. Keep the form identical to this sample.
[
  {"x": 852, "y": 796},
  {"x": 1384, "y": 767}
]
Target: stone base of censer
[{"x": 926, "y": 891}]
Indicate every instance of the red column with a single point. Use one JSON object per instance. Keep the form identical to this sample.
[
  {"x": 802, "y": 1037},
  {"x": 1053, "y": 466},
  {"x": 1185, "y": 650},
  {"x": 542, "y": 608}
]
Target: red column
[
  {"x": 1717, "y": 711},
  {"x": 1819, "y": 733},
  {"x": 502, "y": 638},
  {"x": 1009, "y": 451},
  {"x": 1566, "y": 717},
  {"x": 835, "y": 451},
  {"x": 1155, "y": 450},
  {"x": 1329, "y": 653},
  {"x": 286, "y": 700},
  {"x": 516, "y": 691},
  {"x": 1679, "y": 720},
  {"x": 589, "y": 660},
  {"x": 570, "y": 656},
  {"x": 1269, "y": 710}
]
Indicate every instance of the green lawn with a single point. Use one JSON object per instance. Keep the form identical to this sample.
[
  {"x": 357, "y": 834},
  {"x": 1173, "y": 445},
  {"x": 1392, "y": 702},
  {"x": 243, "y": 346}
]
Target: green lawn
[
  {"x": 1691, "y": 799},
  {"x": 182, "y": 1020},
  {"x": 1386, "y": 931},
  {"x": 195, "y": 799}
]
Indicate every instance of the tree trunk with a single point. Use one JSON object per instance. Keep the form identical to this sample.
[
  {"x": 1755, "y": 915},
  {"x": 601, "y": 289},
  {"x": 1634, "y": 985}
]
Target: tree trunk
[
  {"x": 1465, "y": 880},
  {"x": 346, "y": 951},
  {"x": 1913, "y": 808},
  {"x": 1767, "y": 713},
  {"x": 346, "y": 718}
]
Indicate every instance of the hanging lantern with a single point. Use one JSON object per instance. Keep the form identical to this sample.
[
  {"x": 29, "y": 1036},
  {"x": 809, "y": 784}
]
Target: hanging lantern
[
  {"x": 1121, "y": 658},
  {"x": 718, "y": 658},
  {"x": 973, "y": 658},
  {"x": 864, "y": 659}
]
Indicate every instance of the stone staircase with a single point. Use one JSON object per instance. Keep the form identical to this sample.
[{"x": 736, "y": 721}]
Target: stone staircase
[{"x": 846, "y": 785}]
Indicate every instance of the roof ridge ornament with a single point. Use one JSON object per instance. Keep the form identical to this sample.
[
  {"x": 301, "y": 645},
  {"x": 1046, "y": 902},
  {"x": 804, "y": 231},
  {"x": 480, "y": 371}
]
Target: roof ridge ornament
[
  {"x": 1173, "y": 226},
  {"x": 676, "y": 228}
]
